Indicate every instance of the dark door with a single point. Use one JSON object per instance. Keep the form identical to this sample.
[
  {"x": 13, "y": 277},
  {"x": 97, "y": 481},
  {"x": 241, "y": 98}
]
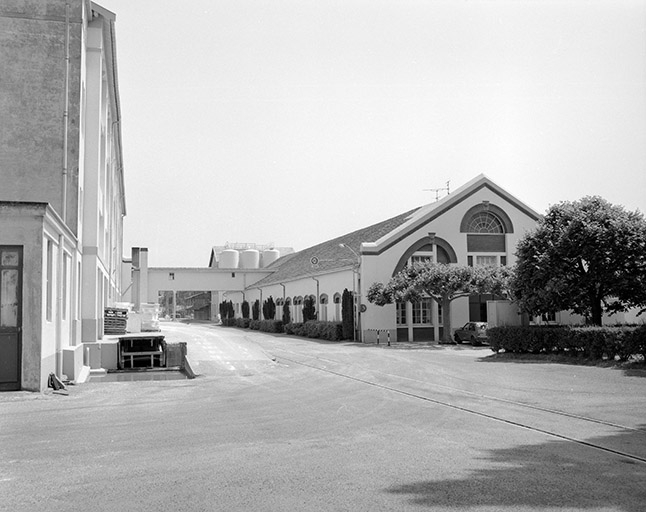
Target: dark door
[{"x": 10, "y": 316}]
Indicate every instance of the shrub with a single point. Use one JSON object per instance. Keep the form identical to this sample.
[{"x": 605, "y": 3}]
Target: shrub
[
  {"x": 243, "y": 322},
  {"x": 332, "y": 331},
  {"x": 588, "y": 342},
  {"x": 635, "y": 343},
  {"x": 229, "y": 322}
]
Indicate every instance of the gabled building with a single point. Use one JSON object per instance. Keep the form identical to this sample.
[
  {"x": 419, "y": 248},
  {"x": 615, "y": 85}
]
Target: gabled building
[
  {"x": 478, "y": 224},
  {"x": 62, "y": 198}
]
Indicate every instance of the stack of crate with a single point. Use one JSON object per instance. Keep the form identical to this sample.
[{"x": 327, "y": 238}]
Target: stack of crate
[{"x": 115, "y": 320}]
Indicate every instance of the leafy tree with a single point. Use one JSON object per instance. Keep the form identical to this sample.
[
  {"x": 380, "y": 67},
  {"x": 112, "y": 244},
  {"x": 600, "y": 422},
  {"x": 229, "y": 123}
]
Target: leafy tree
[
  {"x": 309, "y": 309},
  {"x": 443, "y": 283},
  {"x": 255, "y": 310},
  {"x": 287, "y": 316},
  {"x": 245, "y": 309},
  {"x": 586, "y": 256},
  {"x": 269, "y": 309},
  {"x": 347, "y": 314}
]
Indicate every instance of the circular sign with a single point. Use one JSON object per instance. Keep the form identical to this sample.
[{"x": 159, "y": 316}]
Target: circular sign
[
  {"x": 314, "y": 260},
  {"x": 364, "y": 308}
]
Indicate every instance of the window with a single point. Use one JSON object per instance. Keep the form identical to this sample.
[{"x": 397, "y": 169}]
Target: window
[
  {"x": 50, "y": 281},
  {"x": 420, "y": 257},
  {"x": 323, "y": 307},
  {"x": 171, "y": 276},
  {"x": 337, "y": 307},
  {"x": 401, "y": 313},
  {"x": 422, "y": 312},
  {"x": 66, "y": 272},
  {"x": 548, "y": 317},
  {"x": 485, "y": 222},
  {"x": 482, "y": 261}
]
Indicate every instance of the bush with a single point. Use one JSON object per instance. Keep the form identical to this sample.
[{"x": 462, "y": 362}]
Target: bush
[
  {"x": 243, "y": 322},
  {"x": 635, "y": 343},
  {"x": 587, "y": 342},
  {"x": 229, "y": 322},
  {"x": 332, "y": 331}
]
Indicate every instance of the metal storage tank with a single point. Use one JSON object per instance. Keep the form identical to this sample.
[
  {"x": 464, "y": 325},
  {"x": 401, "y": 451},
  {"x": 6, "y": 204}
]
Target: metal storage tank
[
  {"x": 269, "y": 256},
  {"x": 250, "y": 259},
  {"x": 229, "y": 258}
]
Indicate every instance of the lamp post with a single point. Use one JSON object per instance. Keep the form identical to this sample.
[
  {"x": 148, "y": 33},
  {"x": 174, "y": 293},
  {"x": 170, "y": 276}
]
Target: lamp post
[{"x": 357, "y": 306}]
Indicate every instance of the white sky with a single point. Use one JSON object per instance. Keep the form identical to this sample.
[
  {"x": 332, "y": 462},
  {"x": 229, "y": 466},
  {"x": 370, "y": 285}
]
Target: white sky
[{"x": 295, "y": 121}]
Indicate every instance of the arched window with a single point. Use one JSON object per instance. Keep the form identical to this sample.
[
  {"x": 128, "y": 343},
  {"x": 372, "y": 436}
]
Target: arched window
[
  {"x": 337, "y": 307},
  {"x": 298, "y": 310},
  {"x": 485, "y": 222},
  {"x": 323, "y": 307}
]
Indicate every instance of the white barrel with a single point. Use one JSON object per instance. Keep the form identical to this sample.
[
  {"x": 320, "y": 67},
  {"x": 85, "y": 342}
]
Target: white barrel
[
  {"x": 229, "y": 258},
  {"x": 269, "y": 256},
  {"x": 250, "y": 259}
]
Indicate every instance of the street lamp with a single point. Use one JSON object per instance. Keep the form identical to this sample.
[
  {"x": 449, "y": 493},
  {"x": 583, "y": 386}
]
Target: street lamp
[{"x": 357, "y": 307}]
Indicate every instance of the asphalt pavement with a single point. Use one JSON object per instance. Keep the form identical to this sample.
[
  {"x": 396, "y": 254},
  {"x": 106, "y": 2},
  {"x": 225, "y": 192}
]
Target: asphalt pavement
[{"x": 276, "y": 423}]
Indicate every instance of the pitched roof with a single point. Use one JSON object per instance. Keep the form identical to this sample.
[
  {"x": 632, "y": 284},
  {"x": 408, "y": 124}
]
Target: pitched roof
[
  {"x": 431, "y": 211},
  {"x": 378, "y": 237},
  {"x": 330, "y": 254}
]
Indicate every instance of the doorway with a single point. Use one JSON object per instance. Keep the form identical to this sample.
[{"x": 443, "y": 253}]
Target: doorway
[{"x": 10, "y": 317}]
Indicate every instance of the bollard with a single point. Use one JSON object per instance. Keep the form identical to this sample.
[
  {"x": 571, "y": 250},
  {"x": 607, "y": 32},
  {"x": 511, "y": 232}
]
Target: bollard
[
  {"x": 377, "y": 336},
  {"x": 389, "y": 337}
]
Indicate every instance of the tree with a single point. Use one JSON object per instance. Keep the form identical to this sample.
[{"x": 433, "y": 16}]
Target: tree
[
  {"x": 269, "y": 309},
  {"x": 586, "y": 256},
  {"x": 347, "y": 314},
  {"x": 287, "y": 316},
  {"x": 245, "y": 309},
  {"x": 255, "y": 310},
  {"x": 443, "y": 283},
  {"x": 309, "y": 309},
  {"x": 226, "y": 309}
]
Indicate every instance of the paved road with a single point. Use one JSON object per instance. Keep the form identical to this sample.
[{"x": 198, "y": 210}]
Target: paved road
[{"x": 332, "y": 427}]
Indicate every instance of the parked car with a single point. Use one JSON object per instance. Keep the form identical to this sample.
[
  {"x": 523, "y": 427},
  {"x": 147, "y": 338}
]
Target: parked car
[{"x": 473, "y": 332}]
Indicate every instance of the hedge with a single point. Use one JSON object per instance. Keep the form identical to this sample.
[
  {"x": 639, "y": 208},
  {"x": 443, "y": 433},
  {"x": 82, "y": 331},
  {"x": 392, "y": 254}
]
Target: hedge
[
  {"x": 589, "y": 342},
  {"x": 332, "y": 331}
]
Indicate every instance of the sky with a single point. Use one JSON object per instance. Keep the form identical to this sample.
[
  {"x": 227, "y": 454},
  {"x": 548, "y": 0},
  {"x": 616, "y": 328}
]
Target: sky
[{"x": 291, "y": 122}]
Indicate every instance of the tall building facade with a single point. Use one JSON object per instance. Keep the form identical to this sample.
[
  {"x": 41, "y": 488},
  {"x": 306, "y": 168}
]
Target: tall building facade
[{"x": 62, "y": 199}]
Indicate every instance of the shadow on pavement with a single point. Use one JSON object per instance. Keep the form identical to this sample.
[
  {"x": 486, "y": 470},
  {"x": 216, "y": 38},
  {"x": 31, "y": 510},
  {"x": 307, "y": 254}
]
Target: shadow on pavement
[{"x": 553, "y": 474}]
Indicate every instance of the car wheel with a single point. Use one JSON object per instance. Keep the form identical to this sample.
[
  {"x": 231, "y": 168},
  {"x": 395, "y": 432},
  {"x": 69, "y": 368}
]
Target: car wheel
[{"x": 457, "y": 339}]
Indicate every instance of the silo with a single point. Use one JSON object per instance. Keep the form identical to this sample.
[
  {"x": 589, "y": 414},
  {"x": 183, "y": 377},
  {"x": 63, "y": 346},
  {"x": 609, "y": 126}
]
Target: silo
[
  {"x": 250, "y": 259},
  {"x": 269, "y": 256},
  {"x": 229, "y": 258}
]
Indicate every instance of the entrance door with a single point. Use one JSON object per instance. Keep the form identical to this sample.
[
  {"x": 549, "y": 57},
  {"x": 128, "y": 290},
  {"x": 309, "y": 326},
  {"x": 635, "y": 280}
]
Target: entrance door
[{"x": 10, "y": 316}]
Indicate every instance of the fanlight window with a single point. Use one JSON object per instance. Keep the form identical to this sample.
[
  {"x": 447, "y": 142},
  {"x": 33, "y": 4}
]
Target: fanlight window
[{"x": 485, "y": 222}]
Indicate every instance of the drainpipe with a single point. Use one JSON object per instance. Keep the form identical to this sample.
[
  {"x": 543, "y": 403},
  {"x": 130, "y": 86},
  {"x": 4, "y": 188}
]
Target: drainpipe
[
  {"x": 66, "y": 110},
  {"x": 59, "y": 310}
]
